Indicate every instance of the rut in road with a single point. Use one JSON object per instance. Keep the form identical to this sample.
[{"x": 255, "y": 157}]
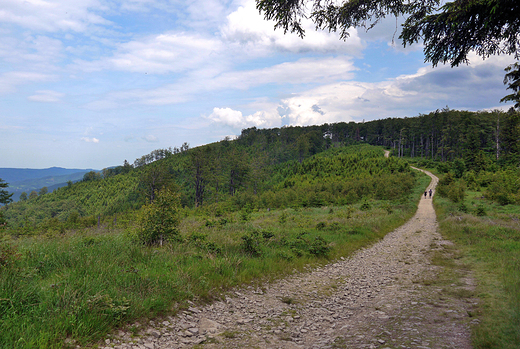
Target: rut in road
[{"x": 374, "y": 299}]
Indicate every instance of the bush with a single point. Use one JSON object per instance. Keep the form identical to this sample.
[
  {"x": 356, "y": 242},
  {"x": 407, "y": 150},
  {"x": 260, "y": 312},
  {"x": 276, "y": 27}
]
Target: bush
[
  {"x": 319, "y": 247},
  {"x": 158, "y": 221},
  {"x": 454, "y": 190},
  {"x": 463, "y": 208},
  {"x": 365, "y": 206},
  {"x": 481, "y": 211},
  {"x": 251, "y": 244}
]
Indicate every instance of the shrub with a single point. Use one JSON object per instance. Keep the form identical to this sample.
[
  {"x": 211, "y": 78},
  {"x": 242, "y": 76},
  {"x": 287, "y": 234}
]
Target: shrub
[
  {"x": 365, "y": 206},
  {"x": 463, "y": 208},
  {"x": 321, "y": 225},
  {"x": 158, "y": 221},
  {"x": 267, "y": 234},
  {"x": 319, "y": 247},
  {"x": 283, "y": 218},
  {"x": 481, "y": 211},
  {"x": 251, "y": 243}
]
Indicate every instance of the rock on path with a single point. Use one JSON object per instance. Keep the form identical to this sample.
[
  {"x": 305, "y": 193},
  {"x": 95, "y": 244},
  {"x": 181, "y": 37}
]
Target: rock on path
[{"x": 375, "y": 299}]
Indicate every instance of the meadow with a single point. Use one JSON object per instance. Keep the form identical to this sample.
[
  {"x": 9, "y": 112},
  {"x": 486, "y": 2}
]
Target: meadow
[
  {"x": 63, "y": 287},
  {"x": 488, "y": 237}
]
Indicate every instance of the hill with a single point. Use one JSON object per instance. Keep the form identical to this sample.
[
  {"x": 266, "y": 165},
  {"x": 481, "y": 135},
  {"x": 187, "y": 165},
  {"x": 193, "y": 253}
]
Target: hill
[
  {"x": 26, "y": 180},
  {"x": 78, "y": 262},
  {"x": 253, "y": 170}
]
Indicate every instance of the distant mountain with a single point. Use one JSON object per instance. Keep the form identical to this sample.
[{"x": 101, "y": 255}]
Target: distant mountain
[
  {"x": 15, "y": 175},
  {"x": 26, "y": 179}
]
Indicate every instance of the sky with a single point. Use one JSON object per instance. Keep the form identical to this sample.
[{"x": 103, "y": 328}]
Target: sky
[{"x": 91, "y": 83}]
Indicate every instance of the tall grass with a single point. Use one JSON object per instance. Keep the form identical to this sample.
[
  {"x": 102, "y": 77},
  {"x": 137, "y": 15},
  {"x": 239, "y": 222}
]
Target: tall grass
[{"x": 489, "y": 236}]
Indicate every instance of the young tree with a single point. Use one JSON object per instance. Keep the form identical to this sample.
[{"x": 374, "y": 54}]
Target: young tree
[
  {"x": 199, "y": 165},
  {"x": 155, "y": 177},
  {"x": 5, "y": 196},
  {"x": 159, "y": 220}
]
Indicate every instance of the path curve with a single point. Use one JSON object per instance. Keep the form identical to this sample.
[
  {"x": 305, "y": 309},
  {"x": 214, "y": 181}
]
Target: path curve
[{"x": 375, "y": 299}]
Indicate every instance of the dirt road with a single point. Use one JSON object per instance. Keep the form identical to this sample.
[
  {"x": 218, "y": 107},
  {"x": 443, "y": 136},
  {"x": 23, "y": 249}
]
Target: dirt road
[{"x": 382, "y": 297}]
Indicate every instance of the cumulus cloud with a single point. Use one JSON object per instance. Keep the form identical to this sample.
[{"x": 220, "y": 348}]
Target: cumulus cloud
[
  {"x": 235, "y": 119},
  {"x": 249, "y": 29},
  {"x": 46, "y": 96},
  {"x": 471, "y": 87}
]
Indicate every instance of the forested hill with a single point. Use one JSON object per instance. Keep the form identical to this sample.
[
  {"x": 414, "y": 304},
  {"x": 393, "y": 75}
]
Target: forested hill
[{"x": 288, "y": 166}]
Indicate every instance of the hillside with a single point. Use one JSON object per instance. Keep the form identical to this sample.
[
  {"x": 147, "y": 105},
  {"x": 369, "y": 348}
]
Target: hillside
[
  {"x": 82, "y": 261},
  {"x": 254, "y": 169},
  {"x": 26, "y": 180}
]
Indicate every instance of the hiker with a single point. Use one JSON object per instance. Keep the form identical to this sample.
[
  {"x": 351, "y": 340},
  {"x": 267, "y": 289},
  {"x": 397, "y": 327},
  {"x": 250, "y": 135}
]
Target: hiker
[
  {"x": 425, "y": 192},
  {"x": 431, "y": 192}
]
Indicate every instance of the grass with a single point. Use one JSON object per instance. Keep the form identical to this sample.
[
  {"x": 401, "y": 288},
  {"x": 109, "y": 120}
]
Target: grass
[
  {"x": 490, "y": 245},
  {"x": 74, "y": 289}
]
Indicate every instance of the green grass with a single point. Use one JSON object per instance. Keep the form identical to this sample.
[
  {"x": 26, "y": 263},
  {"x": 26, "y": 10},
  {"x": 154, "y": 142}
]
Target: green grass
[
  {"x": 491, "y": 247},
  {"x": 77, "y": 287}
]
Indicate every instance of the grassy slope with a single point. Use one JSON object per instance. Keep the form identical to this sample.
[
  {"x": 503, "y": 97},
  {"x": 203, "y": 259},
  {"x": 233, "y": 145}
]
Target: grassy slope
[
  {"x": 490, "y": 245},
  {"x": 83, "y": 284}
]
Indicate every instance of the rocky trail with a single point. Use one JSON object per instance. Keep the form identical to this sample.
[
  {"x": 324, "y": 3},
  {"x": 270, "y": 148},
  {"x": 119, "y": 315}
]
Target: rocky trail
[{"x": 381, "y": 297}]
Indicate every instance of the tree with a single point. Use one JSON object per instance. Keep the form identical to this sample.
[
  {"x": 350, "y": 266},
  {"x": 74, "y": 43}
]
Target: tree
[
  {"x": 23, "y": 196},
  {"x": 5, "y": 196},
  {"x": 91, "y": 176},
  {"x": 43, "y": 191},
  {"x": 33, "y": 195},
  {"x": 155, "y": 177},
  {"x": 159, "y": 220},
  {"x": 513, "y": 79},
  {"x": 449, "y": 32}
]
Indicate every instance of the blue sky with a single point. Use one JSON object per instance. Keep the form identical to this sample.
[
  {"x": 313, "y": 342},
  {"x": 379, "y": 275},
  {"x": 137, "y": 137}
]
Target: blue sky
[{"x": 90, "y": 83}]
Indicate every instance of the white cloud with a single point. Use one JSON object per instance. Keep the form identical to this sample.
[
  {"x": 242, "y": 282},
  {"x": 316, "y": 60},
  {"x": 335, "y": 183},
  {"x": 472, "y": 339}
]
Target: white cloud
[
  {"x": 235, "y": 119},
  {"x": 303, "y": 71},
  {"x": 471, "y": 87},
  {"x": 46, "y": 96},
  {"x": 158, "y": 54},
  {"x": 54, "y": 15},
  {"x": 38, "y": 52},
  {"x": 90, "y": 140},
  {"x": 151, "y": 139},
  {"x": 9, "y": 81},
  {"x": 251, "y": 31}
]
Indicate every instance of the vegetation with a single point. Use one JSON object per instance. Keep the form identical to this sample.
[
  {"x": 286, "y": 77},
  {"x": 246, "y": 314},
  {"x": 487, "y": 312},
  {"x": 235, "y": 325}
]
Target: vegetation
[
  {"x": 489, "y": 236},
  {"x": 187, "y": 224},
  {"x": 74, "y": 286}
]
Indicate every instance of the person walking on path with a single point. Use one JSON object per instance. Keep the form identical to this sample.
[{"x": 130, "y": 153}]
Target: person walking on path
[
  {"x": 431, "y": 192},
  {"x": 425, "y": 192}
]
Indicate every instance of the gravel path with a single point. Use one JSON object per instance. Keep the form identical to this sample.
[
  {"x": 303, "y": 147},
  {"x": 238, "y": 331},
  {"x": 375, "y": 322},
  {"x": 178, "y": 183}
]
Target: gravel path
[{"x": 378, "y": 298}]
